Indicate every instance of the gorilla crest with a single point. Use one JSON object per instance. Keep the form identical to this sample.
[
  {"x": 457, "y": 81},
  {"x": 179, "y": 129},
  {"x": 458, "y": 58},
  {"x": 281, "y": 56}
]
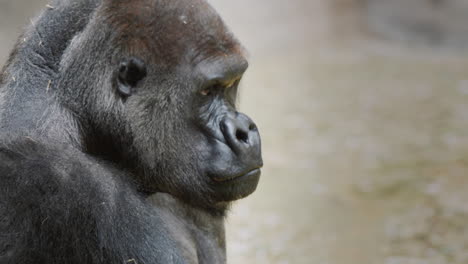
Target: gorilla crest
[{"x": 120, "y": 137}]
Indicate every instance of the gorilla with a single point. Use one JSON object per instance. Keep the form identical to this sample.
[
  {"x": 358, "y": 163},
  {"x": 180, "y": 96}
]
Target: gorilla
[{"x": 120, "y": 141}]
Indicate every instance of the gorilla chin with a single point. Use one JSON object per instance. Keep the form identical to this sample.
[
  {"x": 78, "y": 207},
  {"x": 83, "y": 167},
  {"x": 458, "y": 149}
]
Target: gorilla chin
[{"x": 237, "y": 187}]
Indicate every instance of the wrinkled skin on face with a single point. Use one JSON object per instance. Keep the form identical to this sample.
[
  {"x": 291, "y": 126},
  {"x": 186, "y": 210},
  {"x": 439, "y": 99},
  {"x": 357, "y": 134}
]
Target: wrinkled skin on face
[{"x": 168, "y": 74}]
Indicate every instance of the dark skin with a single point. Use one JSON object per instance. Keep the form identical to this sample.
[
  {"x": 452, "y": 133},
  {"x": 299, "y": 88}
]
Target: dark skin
[{"x": 123, "y": 100}]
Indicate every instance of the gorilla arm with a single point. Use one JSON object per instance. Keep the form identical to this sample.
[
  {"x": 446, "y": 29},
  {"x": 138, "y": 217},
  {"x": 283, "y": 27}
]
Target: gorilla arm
[
  {"x": 55, "y": 192},
  {"x": 32, "y": 67},
  {"x": 45, "y": 40}
]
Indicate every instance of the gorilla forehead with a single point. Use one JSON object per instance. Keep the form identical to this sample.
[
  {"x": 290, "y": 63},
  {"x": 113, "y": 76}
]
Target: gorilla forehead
[{"x": 181, "y": 30}]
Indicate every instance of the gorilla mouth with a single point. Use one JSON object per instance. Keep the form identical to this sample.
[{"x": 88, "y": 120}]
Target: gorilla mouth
[{"x": 253, "y": 173}]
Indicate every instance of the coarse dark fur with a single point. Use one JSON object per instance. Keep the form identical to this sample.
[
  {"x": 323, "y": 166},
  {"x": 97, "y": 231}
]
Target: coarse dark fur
[{"x": 119, "y": 137}]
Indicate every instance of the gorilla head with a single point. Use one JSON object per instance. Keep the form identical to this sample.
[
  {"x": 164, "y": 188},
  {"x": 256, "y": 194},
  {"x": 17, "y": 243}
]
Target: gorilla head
[{"x": 156, "y": 94}]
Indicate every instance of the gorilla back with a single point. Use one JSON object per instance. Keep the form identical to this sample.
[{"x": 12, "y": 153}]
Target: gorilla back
[{"x": 120, "y": 137}]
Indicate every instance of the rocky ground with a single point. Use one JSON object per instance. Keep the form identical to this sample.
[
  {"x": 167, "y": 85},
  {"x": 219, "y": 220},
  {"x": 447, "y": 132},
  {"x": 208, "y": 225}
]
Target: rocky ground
[{"x": 366, "y": 143}]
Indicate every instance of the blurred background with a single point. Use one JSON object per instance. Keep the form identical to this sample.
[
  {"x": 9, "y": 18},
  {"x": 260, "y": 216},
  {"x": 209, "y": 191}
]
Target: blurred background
[{"x": 363, "y": 108}]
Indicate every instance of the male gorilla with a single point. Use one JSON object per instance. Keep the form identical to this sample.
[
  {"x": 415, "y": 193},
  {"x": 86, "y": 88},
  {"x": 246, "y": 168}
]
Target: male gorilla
[{"x": 105, "y": 103}]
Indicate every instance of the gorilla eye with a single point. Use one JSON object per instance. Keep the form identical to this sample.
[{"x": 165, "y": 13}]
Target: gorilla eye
[
  {"x": 206, "y": 92},
  {"x": 210, "y": 90}
]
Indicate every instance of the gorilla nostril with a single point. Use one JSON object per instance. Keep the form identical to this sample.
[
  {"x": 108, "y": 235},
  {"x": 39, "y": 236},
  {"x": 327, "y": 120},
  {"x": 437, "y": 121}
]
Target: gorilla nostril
[
  {"x": 252, "y": 127},
  {"x": 242, "y": 136}
]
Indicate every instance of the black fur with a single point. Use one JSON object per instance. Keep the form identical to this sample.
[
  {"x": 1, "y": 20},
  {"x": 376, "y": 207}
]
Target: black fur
[{"x": 105, "y": 102}]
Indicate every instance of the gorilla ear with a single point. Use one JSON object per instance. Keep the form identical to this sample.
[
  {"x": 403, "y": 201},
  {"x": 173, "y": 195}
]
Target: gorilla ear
[{"x": 131, "y": 71}]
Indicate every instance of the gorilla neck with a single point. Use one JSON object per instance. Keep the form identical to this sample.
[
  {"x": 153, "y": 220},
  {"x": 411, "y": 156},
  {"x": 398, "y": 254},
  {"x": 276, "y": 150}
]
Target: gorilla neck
[{"x": 200, "y": 235}]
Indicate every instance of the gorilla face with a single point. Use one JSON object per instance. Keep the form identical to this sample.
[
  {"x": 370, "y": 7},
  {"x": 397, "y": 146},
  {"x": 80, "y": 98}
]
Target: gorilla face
[
  {"x": 169, "y": 71},
  {"x": 189, "y": 135}
]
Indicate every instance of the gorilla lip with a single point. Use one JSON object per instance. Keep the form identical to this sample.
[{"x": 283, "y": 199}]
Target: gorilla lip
[{"x": 253, "y": 172}]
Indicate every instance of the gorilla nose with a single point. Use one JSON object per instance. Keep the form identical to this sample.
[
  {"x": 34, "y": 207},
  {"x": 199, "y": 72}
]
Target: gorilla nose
[{"x": 242, "y": 136}]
